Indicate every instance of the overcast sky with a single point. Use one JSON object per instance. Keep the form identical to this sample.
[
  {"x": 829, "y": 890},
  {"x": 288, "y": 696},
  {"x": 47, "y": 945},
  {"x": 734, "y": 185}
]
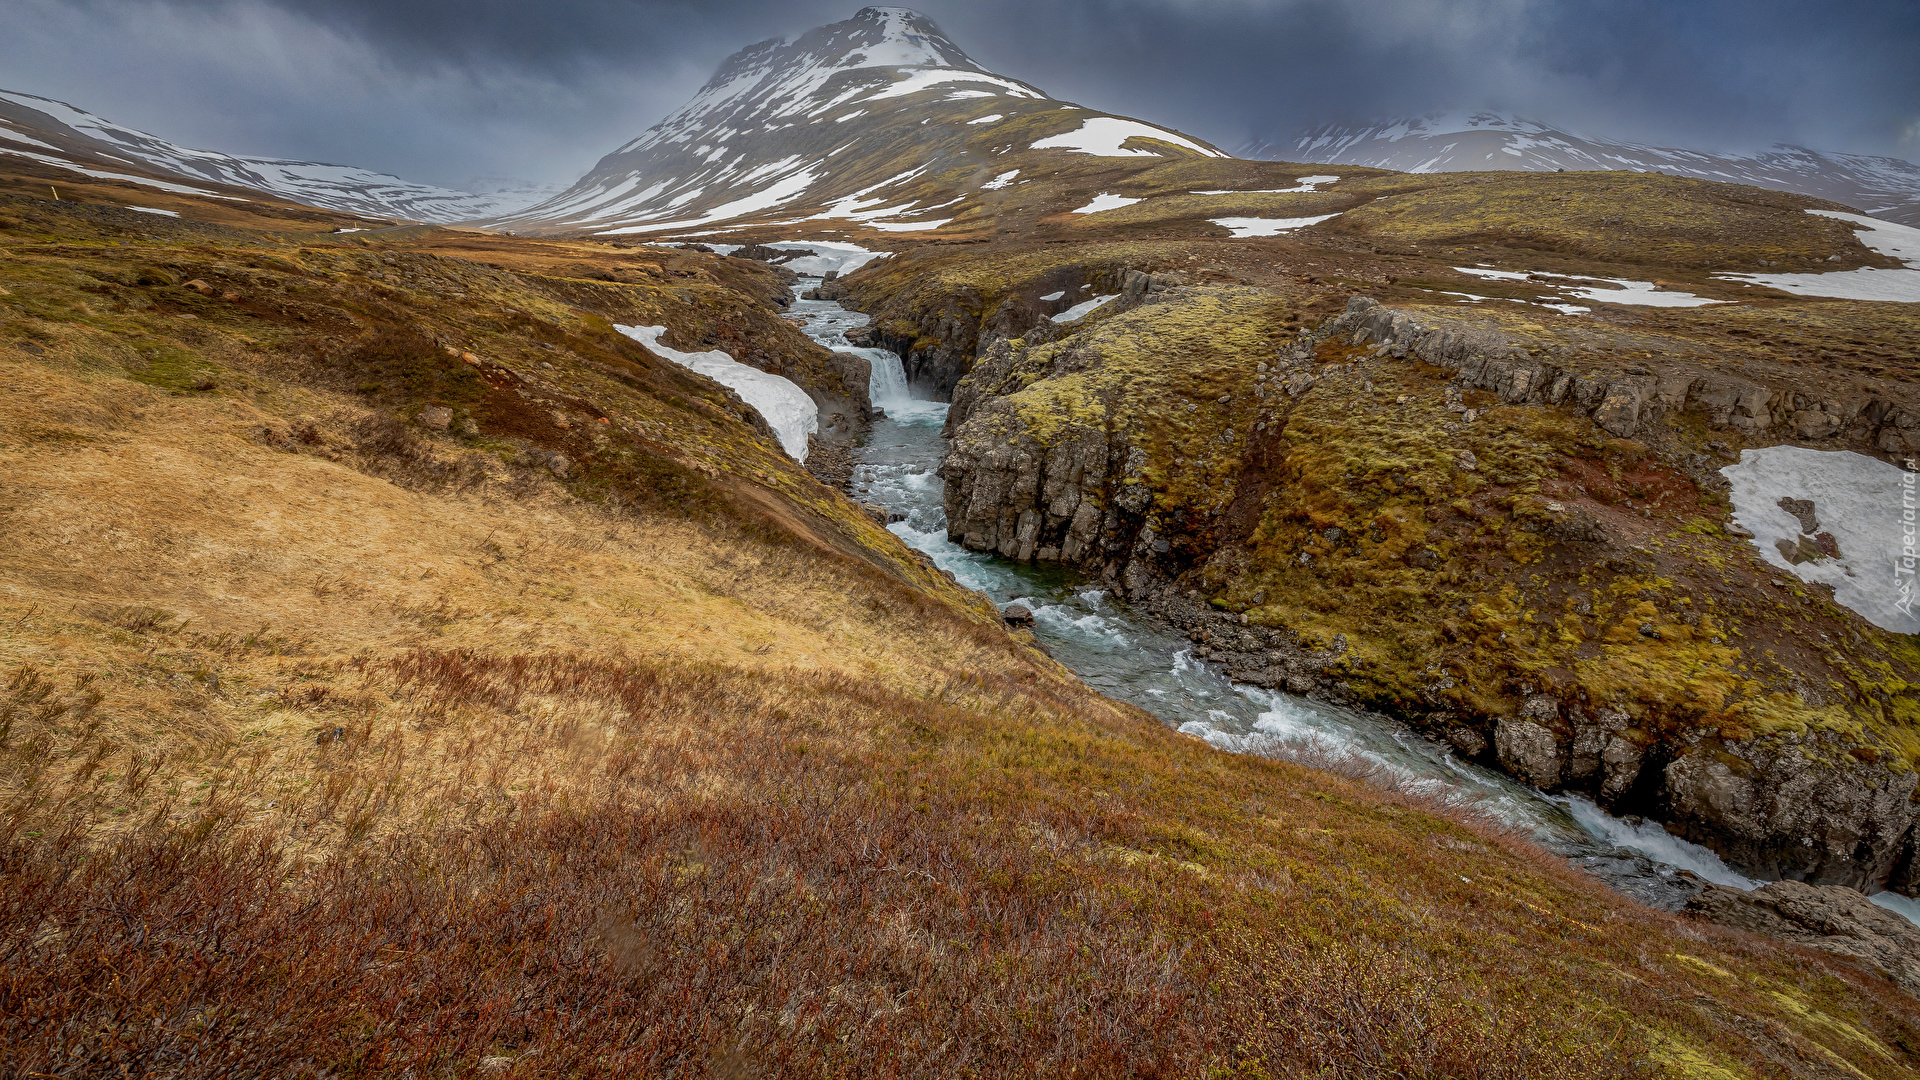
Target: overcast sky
[{"x": 454, "y": 91}]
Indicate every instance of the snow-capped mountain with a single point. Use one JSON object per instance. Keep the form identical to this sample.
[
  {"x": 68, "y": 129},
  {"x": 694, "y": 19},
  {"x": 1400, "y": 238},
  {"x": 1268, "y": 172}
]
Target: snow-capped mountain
[
  {"x": 56, "y": 133},
  {"x": 879, "y": 120},
  {"x": 1884, "y": 187}
]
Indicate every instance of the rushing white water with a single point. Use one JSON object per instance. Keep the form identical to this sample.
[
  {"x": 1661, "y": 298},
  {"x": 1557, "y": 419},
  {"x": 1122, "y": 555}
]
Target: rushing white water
[
  {"x": 887, "y": 386},
  {"x": 1130, "y": 658},
  {"x": 826, "y": 322}
]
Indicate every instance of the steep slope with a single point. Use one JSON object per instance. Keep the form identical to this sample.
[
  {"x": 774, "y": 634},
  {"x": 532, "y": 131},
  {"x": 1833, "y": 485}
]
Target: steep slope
[
  {"x": 403, "y": 674},
  {"x": 55, "y": 133},
  {"x": 1474, "y": 142},
  {"x": 879, "y": 121}
]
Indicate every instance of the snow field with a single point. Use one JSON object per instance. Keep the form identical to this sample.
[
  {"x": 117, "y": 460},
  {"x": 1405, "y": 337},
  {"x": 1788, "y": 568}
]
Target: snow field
[
  {"x": 1242, "y": 227},
  {"x": 787, "y": 409},
  {"x": 1102, "y": 136},
  {"x": 1084, "y": 307},
  {"x": 1867, "y": 283},
  {"x": 1865, "y": 504},
  {"x": 1104, "y": 201}
]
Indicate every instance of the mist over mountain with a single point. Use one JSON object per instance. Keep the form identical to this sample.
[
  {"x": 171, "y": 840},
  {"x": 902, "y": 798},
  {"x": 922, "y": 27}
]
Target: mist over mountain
[
  {"x": 439, "y": 91},
  {"x": 56, "y": 133},
  {"x": 1470, "y": 142}
]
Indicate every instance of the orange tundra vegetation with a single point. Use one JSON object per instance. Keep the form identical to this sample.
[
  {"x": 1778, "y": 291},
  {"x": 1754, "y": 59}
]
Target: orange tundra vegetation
[{"x": 337, "y": 744}]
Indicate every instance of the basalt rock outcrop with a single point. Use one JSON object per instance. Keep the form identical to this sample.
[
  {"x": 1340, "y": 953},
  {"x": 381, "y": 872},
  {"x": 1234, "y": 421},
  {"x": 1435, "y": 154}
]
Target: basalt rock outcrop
[
  {"x": 1624, "y": 401},
  {"x": 1831, "y": 918},
  {"x": 1110, "y": 449},
  {"x": 939, "y": 335}
]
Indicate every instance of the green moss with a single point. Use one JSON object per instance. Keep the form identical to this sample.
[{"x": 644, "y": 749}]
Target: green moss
[
  {"x": 1614, "y": 216},
  {"x": 170, "y": 366}
]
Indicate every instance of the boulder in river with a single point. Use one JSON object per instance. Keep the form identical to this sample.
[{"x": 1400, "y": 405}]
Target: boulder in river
[{"x": 1831, "y": 918}]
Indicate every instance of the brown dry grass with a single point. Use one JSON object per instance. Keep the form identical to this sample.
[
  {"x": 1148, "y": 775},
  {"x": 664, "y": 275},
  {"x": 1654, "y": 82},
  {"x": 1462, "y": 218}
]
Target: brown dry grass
[{"x": 351, "y": 751}]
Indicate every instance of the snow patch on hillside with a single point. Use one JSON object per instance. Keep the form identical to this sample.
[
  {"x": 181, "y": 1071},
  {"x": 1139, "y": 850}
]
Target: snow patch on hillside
[
  {"x": 1304, "y": 184},
  {"x": 1624, "y": 290},
  {"x": 1867, "y": 283},
  {"x": 915, "y": 81},
  {"x": 1242, "y": 227},
  {"x": 1862, "y": 508},
  {"x": 1105, "y": 201},
  {"x": 788, "y": 410},
  {"x": 785, "y": 191},
  {"x": 1102, "y": 136},
  {"x": 1083, "y": 308},
  {"x": 103, "y": 174}
]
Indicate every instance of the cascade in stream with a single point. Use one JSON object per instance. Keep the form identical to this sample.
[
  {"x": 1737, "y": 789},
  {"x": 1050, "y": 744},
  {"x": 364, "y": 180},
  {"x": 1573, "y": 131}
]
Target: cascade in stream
[
  {"x": 1134, "y": 660},
  {"x": 887, "y": 386}
]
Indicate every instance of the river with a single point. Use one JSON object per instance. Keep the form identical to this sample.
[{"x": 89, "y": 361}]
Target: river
[{"x": 1129, "y": 658}]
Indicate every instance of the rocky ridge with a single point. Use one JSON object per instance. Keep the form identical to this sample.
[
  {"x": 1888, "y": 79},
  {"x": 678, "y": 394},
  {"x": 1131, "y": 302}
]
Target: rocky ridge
[{"x": 1871, "y": 417}]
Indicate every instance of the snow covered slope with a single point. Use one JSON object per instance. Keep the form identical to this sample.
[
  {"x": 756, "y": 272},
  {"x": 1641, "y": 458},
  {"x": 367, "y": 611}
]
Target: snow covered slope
[
  {"x": 55, "y": 133},
  {"x": 864, "y": 121},
  {"x": 1884, "y": 187}
]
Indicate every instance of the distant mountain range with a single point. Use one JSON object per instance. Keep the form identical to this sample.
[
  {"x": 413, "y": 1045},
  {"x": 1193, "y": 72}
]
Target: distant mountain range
[
  {"x": 1884, "y": 187},
  {"x": 880, "y": 120},
  {"x": 56, "y": 133},
  {"x": 884, "y": 123}
]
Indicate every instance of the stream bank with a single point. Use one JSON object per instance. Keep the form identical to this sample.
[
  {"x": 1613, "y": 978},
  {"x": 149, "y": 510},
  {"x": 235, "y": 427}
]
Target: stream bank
[{"x": 1133, "y": 657}]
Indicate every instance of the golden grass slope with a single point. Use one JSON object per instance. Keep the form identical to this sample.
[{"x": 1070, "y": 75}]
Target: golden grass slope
[{"x": 332, "y": 744}]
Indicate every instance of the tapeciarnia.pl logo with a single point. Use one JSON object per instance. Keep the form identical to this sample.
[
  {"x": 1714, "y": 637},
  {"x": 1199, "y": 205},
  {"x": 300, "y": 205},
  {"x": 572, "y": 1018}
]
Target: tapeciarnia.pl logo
[{"x": 1903, "y": 567}]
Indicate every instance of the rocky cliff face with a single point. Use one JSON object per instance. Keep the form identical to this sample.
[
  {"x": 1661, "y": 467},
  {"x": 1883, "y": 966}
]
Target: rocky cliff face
[
  {"x": 1290, "y": 501},
  {"x": 1868, "y": 415}
]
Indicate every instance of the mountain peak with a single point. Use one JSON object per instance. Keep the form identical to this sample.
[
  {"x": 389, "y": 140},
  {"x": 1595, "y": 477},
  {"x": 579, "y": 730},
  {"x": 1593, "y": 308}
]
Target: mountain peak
[
  {"x": 903, "y": 25},
  {"x": 880, "y": 119}
]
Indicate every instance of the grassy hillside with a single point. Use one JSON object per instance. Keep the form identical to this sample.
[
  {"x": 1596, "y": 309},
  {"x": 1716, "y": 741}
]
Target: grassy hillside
[{"x": 588, "y": 735}]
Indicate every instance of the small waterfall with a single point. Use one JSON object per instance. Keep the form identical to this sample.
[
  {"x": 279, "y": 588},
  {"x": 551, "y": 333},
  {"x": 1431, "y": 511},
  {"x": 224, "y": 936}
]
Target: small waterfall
[
  {"x": 887, "y": 386},
  {"x": 826, "y": 322}
]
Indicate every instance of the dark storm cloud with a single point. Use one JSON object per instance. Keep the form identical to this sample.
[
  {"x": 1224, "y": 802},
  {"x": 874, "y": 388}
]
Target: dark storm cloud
[{"x": 449, "y": 90}]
